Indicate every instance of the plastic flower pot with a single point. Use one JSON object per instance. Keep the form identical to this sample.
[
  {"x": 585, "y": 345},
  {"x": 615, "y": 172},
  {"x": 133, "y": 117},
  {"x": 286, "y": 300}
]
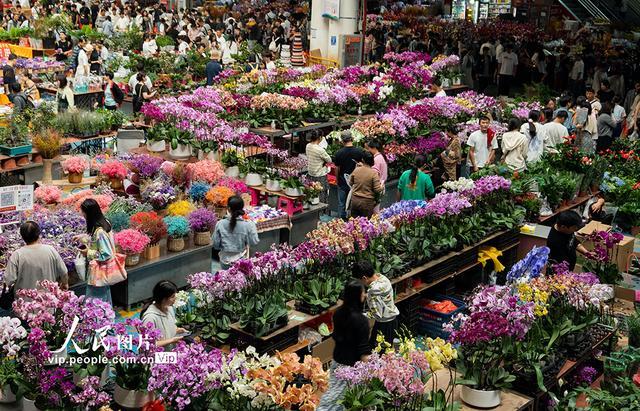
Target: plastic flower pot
[
  {"x": 480, "y": 398},
  {"x": 306, "y": 205},
  {"x": 315, "y": 200},
  {"x": 183, "y": 151},
  {"x": 131, "y": 260},
  {"x": 131, "y": 399},
  {"x": 75, "y": 178},
  {"x": 116, "y": 183},
  {"x": 29, "y": 405},
  {"x": 253, "y": 180},
  {"x": 233, "y": 171},
  {"x": 273, "y": 185},
  {"x": 152, "y": 251},
  {"x": 175, "y": 244},
  {"x": 156, "y": 146},
  {"x": 202, "y": 238},
  {"x": 292, "y": 192},
  {"x": 6, "y": 395}
]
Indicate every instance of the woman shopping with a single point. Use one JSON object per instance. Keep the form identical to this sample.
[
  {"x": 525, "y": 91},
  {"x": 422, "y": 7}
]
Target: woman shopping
[
  {"x": 351, "y": 336},
  {"x": 234, "y": 235},
  {"x": 161, "y": 313},
  {"x": 104, "y": 265},
  {"x": 514, "y": 147},
  {"x": 365, "y": 188},
  {"x": 415, "y": 184},
  {"x": 64, "y": 95}
]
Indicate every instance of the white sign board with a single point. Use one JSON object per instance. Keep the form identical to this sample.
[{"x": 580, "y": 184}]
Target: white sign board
[
  {"x": 331, "y": 9},
  {"x": 16, "y": 198}
]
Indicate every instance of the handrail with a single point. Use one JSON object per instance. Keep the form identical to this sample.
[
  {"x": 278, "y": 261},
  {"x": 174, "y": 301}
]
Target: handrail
[
  {"x": 567, "y": 8},
  {"x": 593, "y": 9}
]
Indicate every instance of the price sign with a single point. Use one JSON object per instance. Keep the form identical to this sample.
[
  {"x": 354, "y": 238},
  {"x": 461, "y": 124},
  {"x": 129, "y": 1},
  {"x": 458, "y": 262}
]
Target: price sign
[{"x": 16, "y": 198}]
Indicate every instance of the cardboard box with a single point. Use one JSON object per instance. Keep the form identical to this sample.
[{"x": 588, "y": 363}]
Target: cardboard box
[
  {"x": 629, "y": 288},
  {"x": 620, "y": 253}
]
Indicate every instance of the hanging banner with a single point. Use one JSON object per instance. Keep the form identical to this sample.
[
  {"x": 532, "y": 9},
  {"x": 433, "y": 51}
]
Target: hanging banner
[
  {"x": 331, "y": 9},
  {"x": 16, "y": 198}
]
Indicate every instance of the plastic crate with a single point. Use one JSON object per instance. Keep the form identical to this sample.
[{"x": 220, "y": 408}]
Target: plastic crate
[
  {"x": 16, "y": 151},
  {"x": 429, "y": 329},
  {"x": 438, "y": 318}
]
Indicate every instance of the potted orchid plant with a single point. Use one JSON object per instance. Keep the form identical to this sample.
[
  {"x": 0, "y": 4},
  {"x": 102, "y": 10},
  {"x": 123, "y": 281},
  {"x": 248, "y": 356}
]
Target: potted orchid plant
[
  {"x": 202, "y": 222},
  {"x": 132, "y": 377},
  {"x": 497, "y": 320},
  {"x": 177, "y": 230},
  {"x": 231, "y": 161},
  {"x": 132, "y": 243},
  {"x": 12, "y": 341},
  {"x": 75, "y": 167}
]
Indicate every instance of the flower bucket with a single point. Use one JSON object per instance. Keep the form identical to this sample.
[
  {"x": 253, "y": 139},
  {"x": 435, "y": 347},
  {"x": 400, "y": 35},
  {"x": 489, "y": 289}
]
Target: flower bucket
[
  {"x": 152, "y": 251},
  {"x": 29, "y": 405},
  {"x": 116, "y": 183},
  {"x": 292, "y": 192},
  {"x": 182, "y": 152},
  {"x": 253, "y": 180},
  {"x": 156, "y": 146},
  {"x": 233, "y": 171},
  {"x": 75, "y": 178},
  {"x": 480, "y": 398},
  {"x": 175, "y": 244},
  {"x": 315, "y": 200},
  {"x": 6, "y": 395},
  {"x": 131, "y": 260},
  {"x": 273, "y": 185},
  {"x": 202, "y": 238},
  {"x": 131, "y": 399},
  {"x": 306, "y": 205},
  {"x": 47, "y": 164}
]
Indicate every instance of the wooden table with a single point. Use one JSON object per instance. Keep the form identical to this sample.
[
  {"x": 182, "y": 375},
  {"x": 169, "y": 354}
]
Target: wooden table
[
  {"x": 511, "y": 400},
  {"x": 577, "y": 202}
]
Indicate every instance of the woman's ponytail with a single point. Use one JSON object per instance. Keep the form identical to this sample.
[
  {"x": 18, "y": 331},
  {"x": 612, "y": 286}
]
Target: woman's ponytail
[
  {"x": 417, "y": 165},
  {"x": 236, "y": 210},
  {"x": 534, "y": 116}
]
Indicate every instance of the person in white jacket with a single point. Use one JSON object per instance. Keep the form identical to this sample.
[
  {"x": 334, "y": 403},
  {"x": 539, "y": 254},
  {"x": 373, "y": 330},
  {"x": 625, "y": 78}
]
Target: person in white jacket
[
  {"x": 514, "y": 147},
  {"x": 536, "y": 136}
]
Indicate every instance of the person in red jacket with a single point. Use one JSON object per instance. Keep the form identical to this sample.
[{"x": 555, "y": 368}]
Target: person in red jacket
[{"x": 113, "y": 95}]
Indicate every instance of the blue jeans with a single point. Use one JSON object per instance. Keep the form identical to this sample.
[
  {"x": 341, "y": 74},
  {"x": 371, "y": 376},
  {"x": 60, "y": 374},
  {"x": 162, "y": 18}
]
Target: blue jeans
[
  {"x": 101, "y": 293},
  {"x": 342, "y": 202}
]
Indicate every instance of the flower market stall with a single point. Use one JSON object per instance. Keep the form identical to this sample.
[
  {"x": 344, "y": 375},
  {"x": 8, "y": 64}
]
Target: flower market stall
[{"x": 486, "y": 321}]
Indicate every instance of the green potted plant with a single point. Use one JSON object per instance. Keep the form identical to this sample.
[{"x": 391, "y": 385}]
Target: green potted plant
[
  {"x": 231, "y": 161},
  {"x": 263, "y": 315},
  {"x": 14, "y": 138},
  {"x": 316, "y": 295},
  {"x": 165, "y": 43},
  {"x": 157, "y": 138},
  {"x": 633, "y": 326},
  {"x": 293, "y": 187},
  {"x": 253, "y": 168},
  {"x": 180, "y": 143}
]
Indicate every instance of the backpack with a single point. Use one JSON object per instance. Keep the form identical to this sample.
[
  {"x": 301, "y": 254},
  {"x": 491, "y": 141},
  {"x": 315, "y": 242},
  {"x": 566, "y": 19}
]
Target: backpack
[{"x": 138, "y": 100}]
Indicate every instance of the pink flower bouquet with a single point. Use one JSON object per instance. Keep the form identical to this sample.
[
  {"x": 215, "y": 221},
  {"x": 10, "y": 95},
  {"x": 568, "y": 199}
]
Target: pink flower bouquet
[
  {"x": 205, "y": 170},
  {"x": 48, "y": 194},
  {"x": 131, "y": 241},
  {"x": 114, "y": 169},
  {"x": 75, "y": 165}
]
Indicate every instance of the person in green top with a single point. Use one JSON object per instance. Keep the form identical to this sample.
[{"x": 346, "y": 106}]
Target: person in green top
[{"x": 415, "y": 184}]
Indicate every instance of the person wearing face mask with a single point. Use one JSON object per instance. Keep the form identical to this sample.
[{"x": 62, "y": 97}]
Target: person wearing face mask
[
  {"x": 234, "y": 235},
  {"x": 162, "y": 314}
]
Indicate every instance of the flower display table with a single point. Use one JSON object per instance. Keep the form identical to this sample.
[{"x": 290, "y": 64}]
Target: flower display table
[
  {"x": 576, "y": 203},
  {"x": 511, "y": 400},
  {"x": 83, "y": 100},
  {"x": 169, "y": 266}
]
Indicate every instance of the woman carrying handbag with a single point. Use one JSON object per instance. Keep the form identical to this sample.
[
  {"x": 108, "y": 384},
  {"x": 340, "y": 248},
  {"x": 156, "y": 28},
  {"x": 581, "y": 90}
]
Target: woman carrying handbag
[{"x": 105, "y": 267}]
